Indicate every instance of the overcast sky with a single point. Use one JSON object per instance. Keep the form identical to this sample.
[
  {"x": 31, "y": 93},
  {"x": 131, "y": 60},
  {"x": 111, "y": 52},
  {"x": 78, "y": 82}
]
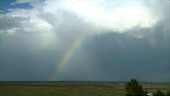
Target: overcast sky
[{"x": 121, "y": 40}]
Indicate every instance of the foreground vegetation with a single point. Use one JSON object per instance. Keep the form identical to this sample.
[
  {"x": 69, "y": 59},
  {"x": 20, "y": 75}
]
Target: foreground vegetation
[
  {"x": 133, "y": 88},
  {"x": 71, "y": 88}
]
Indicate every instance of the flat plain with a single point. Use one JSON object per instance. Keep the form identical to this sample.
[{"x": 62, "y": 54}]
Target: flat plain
[{"x": 65, "y": 88}]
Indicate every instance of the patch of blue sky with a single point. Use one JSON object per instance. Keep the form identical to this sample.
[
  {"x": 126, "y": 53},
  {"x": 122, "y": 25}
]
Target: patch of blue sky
[{"x": 5, "y": 5}]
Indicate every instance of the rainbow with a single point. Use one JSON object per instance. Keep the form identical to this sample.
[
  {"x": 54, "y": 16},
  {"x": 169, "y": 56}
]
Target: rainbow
[{"x": 67, "y": 55}]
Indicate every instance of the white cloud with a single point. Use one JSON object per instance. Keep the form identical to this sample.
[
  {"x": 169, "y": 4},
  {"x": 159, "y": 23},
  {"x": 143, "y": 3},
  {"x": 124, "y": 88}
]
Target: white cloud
[
  {"x": 96, "y": 14},
  {"x": 13, "y": 30},
  {"x": 119, "y": 18},
  {"x": 69, "y": 19}
]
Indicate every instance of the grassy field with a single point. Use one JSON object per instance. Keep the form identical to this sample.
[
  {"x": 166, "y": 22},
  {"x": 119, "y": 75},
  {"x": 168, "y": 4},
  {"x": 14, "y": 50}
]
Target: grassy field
[{"x": 70, "y": 88}]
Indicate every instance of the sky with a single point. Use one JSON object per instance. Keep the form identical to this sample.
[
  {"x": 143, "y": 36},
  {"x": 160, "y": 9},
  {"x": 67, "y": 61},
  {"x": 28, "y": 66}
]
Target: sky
[{"x": 83, "y": 40}]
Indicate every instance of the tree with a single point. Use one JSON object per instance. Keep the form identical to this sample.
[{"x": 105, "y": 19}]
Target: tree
[
  {"x": 159, "y": 93},
  {"x": 168, "y": 93},
  {"x": 133, "y": 88}
]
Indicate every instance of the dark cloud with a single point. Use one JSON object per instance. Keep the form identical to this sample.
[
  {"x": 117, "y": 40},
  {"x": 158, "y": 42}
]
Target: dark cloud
[
  {"x": 34, "y": 41},
  {"x": 121, "y": 57}
]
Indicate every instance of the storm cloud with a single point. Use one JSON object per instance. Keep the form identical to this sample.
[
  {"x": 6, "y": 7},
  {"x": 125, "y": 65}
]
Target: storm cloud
[{"x": 122, "y": 40}]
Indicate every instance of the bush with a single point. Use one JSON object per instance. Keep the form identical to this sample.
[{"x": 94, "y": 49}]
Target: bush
[
  {"x": 145, "y": 92},
  {"x": 159, "y": 93}
]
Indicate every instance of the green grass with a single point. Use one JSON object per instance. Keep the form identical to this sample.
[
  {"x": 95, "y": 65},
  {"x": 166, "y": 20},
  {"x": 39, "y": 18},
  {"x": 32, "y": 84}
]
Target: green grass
[{"x": 67, "y": 89}]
